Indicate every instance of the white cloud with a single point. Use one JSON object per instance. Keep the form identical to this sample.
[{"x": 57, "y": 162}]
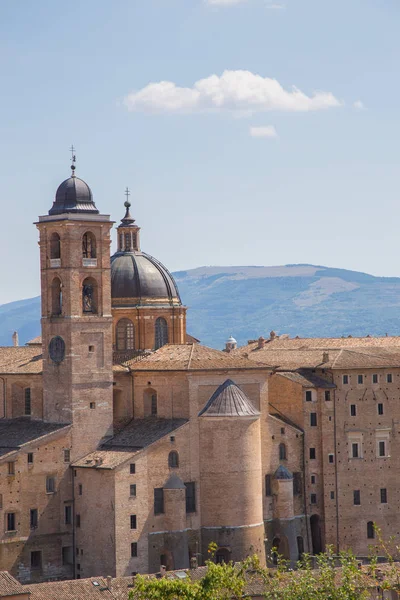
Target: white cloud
[
  {"x": 358, "y": 105},
  {"x": 234, "y": 91},
  {"x": 275, "y": 6},
  {"x": 268, "y": 131}
]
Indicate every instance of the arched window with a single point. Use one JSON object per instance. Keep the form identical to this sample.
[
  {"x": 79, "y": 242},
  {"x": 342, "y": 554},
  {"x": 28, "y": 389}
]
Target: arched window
[
  {"x": 88, "y": 245},
  {"x": 222, "y": 555},
  {"x": 161, "y": 333},
  {"x": 55, "y": 246},
  {"x": 89, "y": 296},
  {"x": 173, "y": 460},
  {"x": 282, "y": 452},
  {"x": 56, "y": 297},
  {"x": 150, "y": 403},
  {"x": 125, "y": 335},
  {"x": 370, "y": 530}
]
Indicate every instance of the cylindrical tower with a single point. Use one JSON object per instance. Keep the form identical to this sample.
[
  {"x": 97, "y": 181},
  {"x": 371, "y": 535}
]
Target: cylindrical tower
[{"x": 230, "y": 475}]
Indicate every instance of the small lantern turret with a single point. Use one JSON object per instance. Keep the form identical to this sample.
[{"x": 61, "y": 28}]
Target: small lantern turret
[{"x": 128, "y": 231}]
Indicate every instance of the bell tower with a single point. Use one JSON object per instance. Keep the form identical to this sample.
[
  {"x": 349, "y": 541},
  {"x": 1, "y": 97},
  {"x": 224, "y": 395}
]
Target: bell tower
[{"x": 76, "y": 315}]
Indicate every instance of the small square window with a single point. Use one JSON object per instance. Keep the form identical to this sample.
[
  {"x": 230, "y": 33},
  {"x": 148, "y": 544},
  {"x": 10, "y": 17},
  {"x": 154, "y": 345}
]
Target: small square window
[
  {"x": 91, "y": 348},
  {"x": 133, "y": 522},
  {"x": 313, "y": 479},
  {"x": 383, "y": 495},
  {"x": 30, "y": 458},
  {"x": 132, "y": 489},
  {"x": 313, "y": 498},
  {"x": 375, "y": 378},
  {"x": 282, "y": 430},
  {"x": 345, "y": 379},
  {"x": 67, "y": 455},
  {"x": 389, "y": 378},
  {"x": 353, "y": 410},
  {"x": 360, "y": 379},
  {"x": 308, "y": 395},
  {"x": 331, "y": 458},
  {"x": 92, "y": 405},
  {"x": 172, "y": 438},
  {"x": 36, "y": 559},
  {"x": 356, "y": 498},
  {"x": 133, "y": 549},
  {"x": 332, "y": 495},
  {"x": 327, "y": 395},
  {"x": 312, "y": 453},
  {"x": 132, "y": 468},
  {"x": 380, "y": 408},
  {"x": 313, "y": 419},
  {"x": 50, "y": 485}
]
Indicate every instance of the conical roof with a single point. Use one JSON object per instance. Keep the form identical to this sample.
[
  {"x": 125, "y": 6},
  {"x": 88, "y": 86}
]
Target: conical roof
[
  {"x": 282, "y": 473},
  {"x": 229, "y": 401},
  {"x": 174, "y": 483}
]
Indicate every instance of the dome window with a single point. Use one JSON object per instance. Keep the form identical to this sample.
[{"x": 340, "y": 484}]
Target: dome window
[
  {"x": 89, "y": 296},
  {"x": 89, "y": 255},
  {"x": 125, "y": 335},
  {"x": 161, "y": 333},
  {"x": 56, "y": 297}
]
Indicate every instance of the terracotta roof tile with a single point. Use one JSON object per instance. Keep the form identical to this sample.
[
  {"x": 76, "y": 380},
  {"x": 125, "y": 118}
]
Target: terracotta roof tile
[
  {"x": 306, "y": 379},
  {"x": 10, "y": 586},
  {"x": 140, "y": 433},
  {"x": 20, "y": 359},
  {"x": 37, "y": 341},
  {"x": 14, "y": 433}
]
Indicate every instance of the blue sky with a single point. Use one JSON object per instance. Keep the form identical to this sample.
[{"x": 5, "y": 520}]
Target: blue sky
[{"x": 227, "y": 163}]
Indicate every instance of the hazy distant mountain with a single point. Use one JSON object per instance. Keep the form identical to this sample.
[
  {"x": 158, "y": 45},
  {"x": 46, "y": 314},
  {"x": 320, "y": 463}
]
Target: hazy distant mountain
[{"x": 246, "y": 302}]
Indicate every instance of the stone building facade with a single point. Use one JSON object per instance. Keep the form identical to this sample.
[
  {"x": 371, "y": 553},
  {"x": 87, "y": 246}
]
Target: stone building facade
[{"x": 126, "y": 444}]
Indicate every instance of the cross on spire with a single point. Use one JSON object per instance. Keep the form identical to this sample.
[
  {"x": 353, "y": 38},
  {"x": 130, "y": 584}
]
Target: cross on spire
[
  {"x": 127, "y": 194},
  {"x": 73, "y": 159}
]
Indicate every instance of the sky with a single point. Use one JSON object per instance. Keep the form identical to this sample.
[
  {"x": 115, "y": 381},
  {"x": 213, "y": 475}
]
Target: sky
[{"x": 250, "y": 132}]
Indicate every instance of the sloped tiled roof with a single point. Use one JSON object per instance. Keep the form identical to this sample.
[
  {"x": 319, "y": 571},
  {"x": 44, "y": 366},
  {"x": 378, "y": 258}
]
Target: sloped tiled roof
[
  {"x": 14, "y": 433},
  {"x": 282, "y": 473},
  {"x": 20, "y": 359},
  {"x": 37, "y": 341},
  {"x": 191, "y": 357},
  {"x": 140, "y": 433},
  {"x": 105, "y": 459},
  {"x": 10, "y": 586},
  {"x": 306, "y": 379},
  {"x": 229, "y": 400}
]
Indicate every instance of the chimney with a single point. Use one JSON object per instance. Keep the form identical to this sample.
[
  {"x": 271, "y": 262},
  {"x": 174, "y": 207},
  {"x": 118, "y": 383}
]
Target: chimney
[
  {"x": 325, "y": 357},
  {"x": 261, "y": 342},
  {"x": 163, "y": 570},
  {"x": 272, "y": 335},
  {"x": 109, "y": 580},
  {"x": 15, "y": 338},
  {"x": 193, "y": 562}
]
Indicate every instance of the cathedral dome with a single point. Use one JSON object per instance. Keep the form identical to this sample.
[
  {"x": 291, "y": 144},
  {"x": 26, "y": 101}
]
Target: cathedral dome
[
  {"x": 73, "y": 196},
  {"x": 138, "y": 279}
]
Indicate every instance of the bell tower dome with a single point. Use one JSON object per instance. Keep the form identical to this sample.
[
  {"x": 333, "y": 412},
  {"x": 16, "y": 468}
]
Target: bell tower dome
[{"x": 76, "y": 315}]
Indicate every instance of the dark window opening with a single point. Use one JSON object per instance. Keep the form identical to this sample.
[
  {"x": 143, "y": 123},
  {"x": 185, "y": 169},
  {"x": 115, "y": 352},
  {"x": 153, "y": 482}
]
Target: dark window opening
[
  {"x": 55, "y": 246},
  {"x": 383, "y": 496},
  {"x": 68, "y": 514},
  {"x": 354, "y": 450},
  {"x": 89, "y": 245},
  {"x": 173, "y": 460},
  {"x": 56, "y": 297},
  {"x": 268, "y": 485},
  {"x": 282, "y": 452},
  {"x": 360, "y": 379},
  {"x": 158, "y": 501},
  {"x": 160, "y": 333},
  {"x": 297, "y": 484},
  {"x": 389, "y": 378},
  {"x": 50, "y": 485},
  {"x": 332, "y": 495},
  {"x": 125, "y": 335},
  {"x": 380, "y": 408},
  {"x": 132, "y": 489},
  {"x": 78, "y": 520},
  {"x": 134, "y": 550},
  {"x": 308, "y": 396},
  {"x": 356, "y": 497},
  {"x": 36, "y": 559},
  {"x": 313, "y": 498},
  {"x": 190, "y": 497},
  {"x": 89, "y": 296},
  {"x": 313, "y": 479},
  {"x": 382, "y": 450},
  {"x": 345, "y": 379},
  {"x": 313, "y": 419},
  {"x": 353, "y": 410},
  {"x": 67, "y": 455},
  {"x": 11, "y": 522},
  {"x": 80, "y": 489},
  {"x": 312, "y": 453},
  {"x": 133, "y": 522},
  {"x": 28, "y": 408},
  {"x": 132, "y": 468},
  {"x": 330, "y": 458},
  {"x": 33, "y": 518},
  {"x": 375, "y": 378},
  {"x": 30, "y": 458},
  {"x": 327, "y": 395},
  {"x": 370, "y": 530}
]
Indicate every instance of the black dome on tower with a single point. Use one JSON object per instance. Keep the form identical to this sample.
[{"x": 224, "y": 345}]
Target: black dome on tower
[{"x": 73, "y": 196}]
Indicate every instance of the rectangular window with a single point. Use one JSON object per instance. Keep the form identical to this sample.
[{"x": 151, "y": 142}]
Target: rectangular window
[
  {"x": 360, "y": 379},
  {"x": 50, "y": 485},
  {"x": 356, "y": 497},
  {"x": 327, "y": 395},
  {"x": 389, "y": 378},
  {"x": 80, "y": 489},
  {"x": 92, "y": 405},
  {"x": 11, "y": 468},
  {"x": 353, "y": 410},
  {"x": 331, "y": 458},
  {"x": 132, "y": 468},
  {"x": 11, "y": 523},
  {"x": 268, "y": 486},
  {"x": 297, "y": 484},
  {"x": 332, "y": 495},
  {"x": 33, "y": 518},
  {"x": 190, "y": 497},
  {"x": 313, "y": 498},
  {"x": 345, "y": 379},
  {"x": 158, "y": 501},
  {"x": 312, "y": 453},
  {"x": 27, "y": 401},
  {"x": 308, "y": 396},
  {"x": 383, "y": 495},
  {"x": 67, "y": 555},
  {"x": 133, "y": 549},
  {"x": 382, "y": 448},
  {"x": 67, "y": 455},
  {"x": 133, "y": 522},
  {"x": 68, "y": 514},
  {"x": 380, "y": 408},
  {"x": 36, "y": 559},
  {"x": 355, "y": 450},
  {"x": 78, "y": 520},
  {"x": 30, "y": 458},
  {"x": 313, "y": 419},
  {"x": 375, "y": 378},
  {"x": 132, "y": 489},
  {"x": 313, "y": 479}
]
